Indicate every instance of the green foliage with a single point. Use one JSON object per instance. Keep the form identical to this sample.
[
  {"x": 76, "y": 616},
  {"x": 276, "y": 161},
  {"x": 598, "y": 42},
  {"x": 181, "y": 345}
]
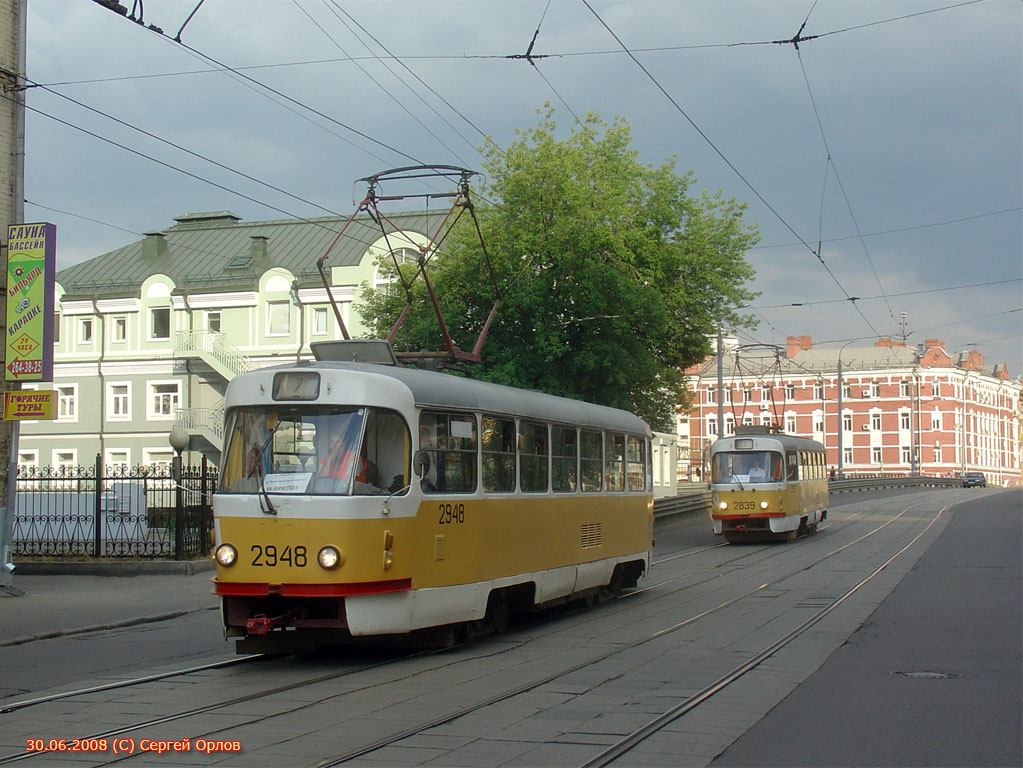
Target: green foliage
[{"x": 611, "y": 276}]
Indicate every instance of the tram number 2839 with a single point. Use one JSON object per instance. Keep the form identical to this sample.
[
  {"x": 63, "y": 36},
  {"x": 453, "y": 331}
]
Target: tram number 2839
[{"x": 451, "y": 514}]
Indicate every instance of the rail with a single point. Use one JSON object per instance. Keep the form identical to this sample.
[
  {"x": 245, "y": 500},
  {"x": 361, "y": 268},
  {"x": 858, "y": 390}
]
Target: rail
[{"x": 700, "y": 500}]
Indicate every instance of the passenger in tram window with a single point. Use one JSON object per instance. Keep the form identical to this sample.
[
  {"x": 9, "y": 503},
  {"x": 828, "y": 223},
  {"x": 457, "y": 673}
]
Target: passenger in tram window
[
  {"x": 776, "y": 467},
  {"x": 756, "y": 472}
]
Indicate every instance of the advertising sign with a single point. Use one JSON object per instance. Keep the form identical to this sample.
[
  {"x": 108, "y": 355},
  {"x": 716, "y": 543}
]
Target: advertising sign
[
  {"x": 31, "y": 262},
  {"x": 30, "y": 404}
]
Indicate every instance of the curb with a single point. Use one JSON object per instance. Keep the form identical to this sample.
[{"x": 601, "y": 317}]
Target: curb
[
  {"x": 102, "y": 627},
  {"x": 112, "y": 568}
]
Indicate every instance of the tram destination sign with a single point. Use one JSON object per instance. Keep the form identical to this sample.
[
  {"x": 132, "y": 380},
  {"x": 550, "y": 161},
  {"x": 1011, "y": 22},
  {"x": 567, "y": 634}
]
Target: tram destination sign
[{"x": 31, "y": 262}]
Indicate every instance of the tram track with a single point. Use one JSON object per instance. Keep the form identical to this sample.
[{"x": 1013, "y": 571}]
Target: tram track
[
  {"x": 657, "y": 723},
  {"x": 749, "y": 553}
]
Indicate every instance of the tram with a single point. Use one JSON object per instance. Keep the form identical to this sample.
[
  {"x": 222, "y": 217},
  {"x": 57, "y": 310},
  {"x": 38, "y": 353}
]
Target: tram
[
  {"x": 767, "y": 485},
  {"x": 361, "y": 499}
]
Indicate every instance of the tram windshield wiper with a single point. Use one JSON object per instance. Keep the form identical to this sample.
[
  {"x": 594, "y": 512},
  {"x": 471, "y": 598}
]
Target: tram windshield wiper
[{"x": 269, "y": 508}]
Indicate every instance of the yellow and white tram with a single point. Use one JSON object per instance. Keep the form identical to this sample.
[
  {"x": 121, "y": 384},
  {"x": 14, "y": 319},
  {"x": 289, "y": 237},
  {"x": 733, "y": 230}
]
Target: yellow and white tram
[
  {"x": 360, "y": 499},
  {"x": 767, "y": 485}
]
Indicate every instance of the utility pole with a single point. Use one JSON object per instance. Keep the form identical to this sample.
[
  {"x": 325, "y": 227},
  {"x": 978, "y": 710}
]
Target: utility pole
[
  {"x": 13, "y": 24},
  {"x": 721, "y": 384}
]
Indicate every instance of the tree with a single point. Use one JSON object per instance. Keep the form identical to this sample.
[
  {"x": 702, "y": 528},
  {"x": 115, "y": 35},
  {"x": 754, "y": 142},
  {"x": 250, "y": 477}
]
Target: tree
[{"x": 611, "y": 276}]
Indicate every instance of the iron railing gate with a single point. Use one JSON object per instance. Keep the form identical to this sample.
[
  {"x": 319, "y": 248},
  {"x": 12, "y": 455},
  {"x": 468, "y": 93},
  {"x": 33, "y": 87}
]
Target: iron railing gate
[{"x": 118, "y": 512}]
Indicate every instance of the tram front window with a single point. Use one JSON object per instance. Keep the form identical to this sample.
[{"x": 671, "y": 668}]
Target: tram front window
[
  {"x": 315, "y": 450},
  {"x": 747, "y": 467}
]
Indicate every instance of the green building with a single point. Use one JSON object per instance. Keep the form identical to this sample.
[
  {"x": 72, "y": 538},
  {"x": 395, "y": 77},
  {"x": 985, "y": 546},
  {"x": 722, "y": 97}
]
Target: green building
[{"x": 147, "y": 336}]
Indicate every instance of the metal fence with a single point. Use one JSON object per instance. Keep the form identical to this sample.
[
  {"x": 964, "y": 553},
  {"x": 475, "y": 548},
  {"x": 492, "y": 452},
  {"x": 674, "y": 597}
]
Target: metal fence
[{"x": 119, "y": 512}]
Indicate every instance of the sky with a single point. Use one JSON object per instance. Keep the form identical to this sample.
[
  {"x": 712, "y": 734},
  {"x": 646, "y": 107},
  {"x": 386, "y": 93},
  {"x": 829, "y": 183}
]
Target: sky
[{"x": 880, "y": 157}]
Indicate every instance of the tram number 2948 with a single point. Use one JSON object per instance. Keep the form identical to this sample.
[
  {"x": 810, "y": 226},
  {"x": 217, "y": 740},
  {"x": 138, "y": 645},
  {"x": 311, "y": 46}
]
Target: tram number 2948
[
  {"x": 269, "y": 555},
  {"x": 451, "y": 514}
]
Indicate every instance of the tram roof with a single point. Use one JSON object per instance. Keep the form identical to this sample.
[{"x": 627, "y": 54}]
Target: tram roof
[
  {"x": 444, "y": 390},
  {"x": 787, "y": 441}
]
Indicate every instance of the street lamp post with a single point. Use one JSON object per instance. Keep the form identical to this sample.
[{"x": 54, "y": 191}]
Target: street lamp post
[{"x": 179, "y": 440}]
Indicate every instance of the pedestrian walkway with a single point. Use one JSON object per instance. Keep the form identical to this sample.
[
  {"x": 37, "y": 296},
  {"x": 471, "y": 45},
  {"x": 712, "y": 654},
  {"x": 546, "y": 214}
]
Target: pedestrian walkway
[{"x": 50, "y": 605}]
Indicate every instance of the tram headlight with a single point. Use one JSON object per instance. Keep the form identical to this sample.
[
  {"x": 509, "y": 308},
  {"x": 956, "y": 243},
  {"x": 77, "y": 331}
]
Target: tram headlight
[
  {"x": 226, "y": 555},
  {"x": 723, "y": 506},
  {"x": 329, "y": 558},
  {"x": 763, "y": 505}
]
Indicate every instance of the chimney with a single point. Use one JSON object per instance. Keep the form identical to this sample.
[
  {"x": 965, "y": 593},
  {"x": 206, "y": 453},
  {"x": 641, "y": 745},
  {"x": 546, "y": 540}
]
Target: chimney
[
  {"x": 931, "y": 343},
  {"x": 796, "y": 344},
  {"x": 258, "y": 247},
  {"x": 154, "y": 246}
]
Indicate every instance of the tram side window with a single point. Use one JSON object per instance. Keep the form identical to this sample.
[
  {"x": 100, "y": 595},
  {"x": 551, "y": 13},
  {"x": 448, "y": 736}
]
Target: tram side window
[
  {"x": 614, "y": 462},
  {"x": 564, "y": 453},
  {"x": 792, "y": 462},
  {"x": 386, "y": 448},
  {"x": 635, "y": 463},
  {"x": 449, "y": 439},
  {"x": 498, "y": 441},
  {"x": 533, "y": 458},
  {"x": 591, "y": 462}
]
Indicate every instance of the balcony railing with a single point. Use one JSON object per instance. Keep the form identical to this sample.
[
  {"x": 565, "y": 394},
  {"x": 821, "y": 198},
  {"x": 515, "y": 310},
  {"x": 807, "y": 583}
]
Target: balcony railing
[
  {"x": 208, "y": 422},
  {"x": 215, "y": 350}
]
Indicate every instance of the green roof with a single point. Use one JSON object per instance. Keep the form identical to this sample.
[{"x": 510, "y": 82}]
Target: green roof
[{"x": 212, "y": 251}]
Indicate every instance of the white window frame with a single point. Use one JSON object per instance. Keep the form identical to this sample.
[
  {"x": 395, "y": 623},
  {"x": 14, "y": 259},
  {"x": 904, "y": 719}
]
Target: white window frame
[
  {"x": 85, "y": 330},
  {"x": 119, "y": 332},
  {"x": 321, "y": 329},
  {"x": 113, "y": 464},
  {"x": 847, "y": 422},
  {"x": 906, "y": 454},
  {"x": 151, "y": 404},
  {"x": 113, "y": 399},
  {"x": 28, "y": 459},
  {"x": 67, "y": 402},
  {"x": 270, "y": 306},
  {"x": 152, "y": 323},
  {"x": 212, "y": 314},
  {"x": 905, "y": 421},
  {"x": 875, "y": 421},
  {"x": 876, "y": 457},
  {"x": 159, "y": 458},
  {"x": 847, "y": 455},
  {"x": 57, "y": 462},
  {"x": 790, "y": 423}
]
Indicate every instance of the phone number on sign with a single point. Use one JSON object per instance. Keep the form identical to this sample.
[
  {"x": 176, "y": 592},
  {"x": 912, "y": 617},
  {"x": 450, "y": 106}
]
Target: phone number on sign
[{"x": 131, "y": 746}]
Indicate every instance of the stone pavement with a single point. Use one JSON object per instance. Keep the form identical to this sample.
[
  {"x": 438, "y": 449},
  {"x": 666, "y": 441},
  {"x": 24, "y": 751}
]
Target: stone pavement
[{"x": 53, "y": 604}]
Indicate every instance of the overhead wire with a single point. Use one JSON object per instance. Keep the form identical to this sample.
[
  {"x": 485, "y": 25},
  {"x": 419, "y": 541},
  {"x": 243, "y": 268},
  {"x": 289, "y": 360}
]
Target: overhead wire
[
  {"x": 376, "y": 82},
  {"x": 890, "y": 295},
  {"x": 464, "y": 56},
  {"x": 838, "y": 178},
  {"x": 184, "y": 172},
  {"x": 531, "y": 58},
  {"x": 897, "y": 230},
  {"x": 420, "y": 80},
  {"x": 728, "y": 162}
]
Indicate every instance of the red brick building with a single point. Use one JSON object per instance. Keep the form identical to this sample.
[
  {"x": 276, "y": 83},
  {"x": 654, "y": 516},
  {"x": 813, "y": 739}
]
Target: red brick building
[{"x": 903, "y": 409}]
